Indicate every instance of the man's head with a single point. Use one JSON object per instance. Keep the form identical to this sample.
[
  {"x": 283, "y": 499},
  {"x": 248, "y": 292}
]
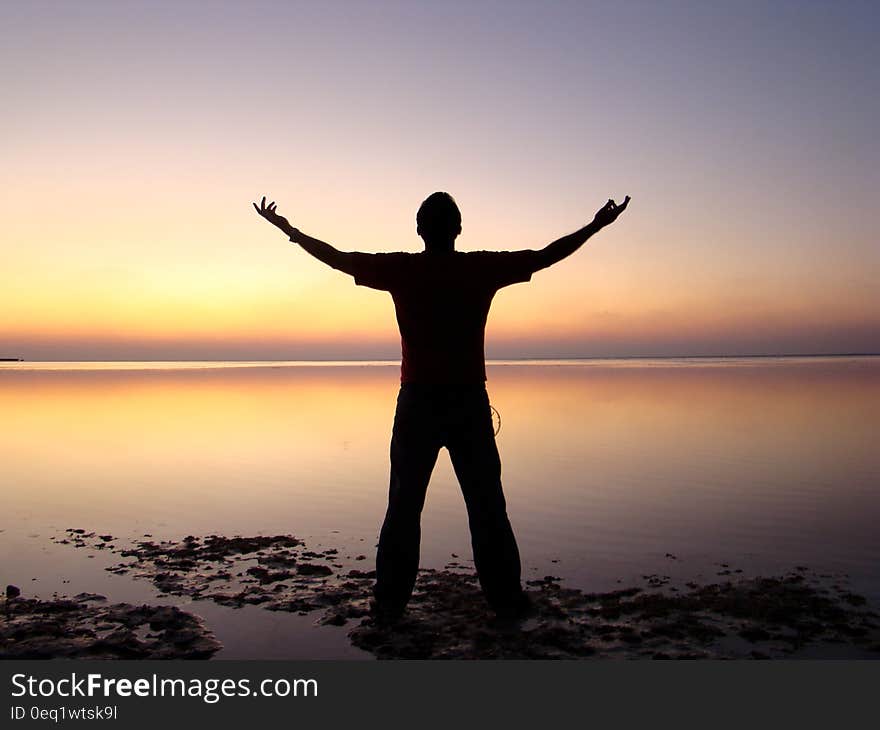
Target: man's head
[{"x": 438, "y": 222}]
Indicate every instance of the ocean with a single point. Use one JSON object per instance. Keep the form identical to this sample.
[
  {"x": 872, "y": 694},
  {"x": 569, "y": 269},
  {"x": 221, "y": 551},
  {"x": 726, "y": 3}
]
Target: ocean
[{"x": 612, "y": 469}]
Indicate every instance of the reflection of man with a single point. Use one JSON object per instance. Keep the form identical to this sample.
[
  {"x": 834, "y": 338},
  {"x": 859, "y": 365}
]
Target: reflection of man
[{"x": 442, "y": 298}]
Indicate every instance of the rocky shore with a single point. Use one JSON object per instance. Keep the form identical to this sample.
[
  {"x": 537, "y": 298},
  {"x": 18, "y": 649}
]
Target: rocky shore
[
  {"x": 87, "y": 627},
  {"x": 738, "y": 616}
]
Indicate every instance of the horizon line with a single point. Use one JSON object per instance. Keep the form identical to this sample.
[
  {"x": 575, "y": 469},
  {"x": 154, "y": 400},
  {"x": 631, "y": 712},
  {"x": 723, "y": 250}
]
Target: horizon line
[{"x": 488, "y": 360}]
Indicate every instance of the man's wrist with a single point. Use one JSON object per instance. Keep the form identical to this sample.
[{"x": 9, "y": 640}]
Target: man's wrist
[{"x": 293, "y": 234}]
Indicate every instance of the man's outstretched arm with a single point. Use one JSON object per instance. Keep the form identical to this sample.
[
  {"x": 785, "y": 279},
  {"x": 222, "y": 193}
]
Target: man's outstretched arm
[
  {"x": 567, "y": 245},
  {"x": 319, "y": 249}
]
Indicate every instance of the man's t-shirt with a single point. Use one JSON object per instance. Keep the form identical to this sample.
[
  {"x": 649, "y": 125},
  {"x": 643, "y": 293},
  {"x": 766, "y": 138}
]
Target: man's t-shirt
[{"x": 442, "y": 301}]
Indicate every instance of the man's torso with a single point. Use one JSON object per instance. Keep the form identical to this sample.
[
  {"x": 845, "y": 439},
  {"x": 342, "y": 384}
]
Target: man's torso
[{"x": 442, "y": 302}]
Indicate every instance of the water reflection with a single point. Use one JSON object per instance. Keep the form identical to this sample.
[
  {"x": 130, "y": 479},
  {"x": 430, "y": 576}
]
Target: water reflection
[{"x": 606, "y": 465}]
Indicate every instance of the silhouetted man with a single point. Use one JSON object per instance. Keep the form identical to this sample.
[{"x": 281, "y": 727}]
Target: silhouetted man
[{"x": 442, "y": 298}]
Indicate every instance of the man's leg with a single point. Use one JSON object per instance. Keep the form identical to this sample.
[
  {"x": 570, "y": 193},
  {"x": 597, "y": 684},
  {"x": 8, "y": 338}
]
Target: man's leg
[
  {"x": 414, "y": 449},
  {"x": 474, "y": 455}
]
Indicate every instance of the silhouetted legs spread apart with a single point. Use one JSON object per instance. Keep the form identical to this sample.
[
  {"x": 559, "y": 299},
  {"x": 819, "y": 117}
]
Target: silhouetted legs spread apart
[{"x": 429, "y": 417}]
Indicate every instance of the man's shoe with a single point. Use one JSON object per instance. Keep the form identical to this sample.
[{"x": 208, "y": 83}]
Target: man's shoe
[
  {"x": 519, "y": 608},
  {"x": 384, "y": 615}
]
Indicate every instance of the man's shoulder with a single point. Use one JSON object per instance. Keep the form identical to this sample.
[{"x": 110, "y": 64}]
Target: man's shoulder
[
  {"x": 387, "y": 255},
  {"x": 380, "y": 270},
  {"x": 501, "y": 268},
  {"x": 498, "y": 257},
  {"x": 476, "y": 257},
  {"x": 483, "y": 253},
  {"x": 384, "y": 259}
]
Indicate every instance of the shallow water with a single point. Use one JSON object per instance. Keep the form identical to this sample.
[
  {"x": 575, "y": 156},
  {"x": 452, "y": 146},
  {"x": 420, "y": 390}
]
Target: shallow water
[{"x": 610, "y": 469}]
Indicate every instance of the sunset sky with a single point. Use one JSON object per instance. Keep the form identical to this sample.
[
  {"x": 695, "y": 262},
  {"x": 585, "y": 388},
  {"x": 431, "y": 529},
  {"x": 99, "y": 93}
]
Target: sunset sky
[{"x": 136, "y": 134}]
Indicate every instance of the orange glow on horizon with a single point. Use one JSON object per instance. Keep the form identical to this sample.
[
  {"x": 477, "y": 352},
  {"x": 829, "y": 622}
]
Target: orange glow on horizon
[{"x": 128, "y": 231}]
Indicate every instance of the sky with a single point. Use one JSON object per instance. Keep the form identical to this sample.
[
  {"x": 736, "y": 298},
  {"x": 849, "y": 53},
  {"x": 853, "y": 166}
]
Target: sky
[{"x": 134, "y": 136}]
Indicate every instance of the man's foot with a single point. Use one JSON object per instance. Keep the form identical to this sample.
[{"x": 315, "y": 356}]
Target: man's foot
[
  {"x": 519, "y": 608},
  {"x": 384, "y": 615}
]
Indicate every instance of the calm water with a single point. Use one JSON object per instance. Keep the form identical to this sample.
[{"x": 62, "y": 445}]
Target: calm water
[{"x": 608, "y": 466}]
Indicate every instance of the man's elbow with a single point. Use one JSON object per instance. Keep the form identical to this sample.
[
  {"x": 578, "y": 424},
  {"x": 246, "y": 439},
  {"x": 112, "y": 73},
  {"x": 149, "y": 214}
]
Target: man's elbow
[{"x": 544, "y": 257}]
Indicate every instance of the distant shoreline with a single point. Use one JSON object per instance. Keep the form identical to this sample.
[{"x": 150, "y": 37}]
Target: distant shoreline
[
  {"x": 489, "y": 361},
  {"x": 11, "y": 366}
]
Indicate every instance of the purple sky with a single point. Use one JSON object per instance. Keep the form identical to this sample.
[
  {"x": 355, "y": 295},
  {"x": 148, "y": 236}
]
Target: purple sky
[{"x": 135, "y": 135}]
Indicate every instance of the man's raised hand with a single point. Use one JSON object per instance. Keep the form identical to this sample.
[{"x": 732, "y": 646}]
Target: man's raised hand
[
  {"x": 608, "y": 213},
  {"x": 269, "y": 213}
]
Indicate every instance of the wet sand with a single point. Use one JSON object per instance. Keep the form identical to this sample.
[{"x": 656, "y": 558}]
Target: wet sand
[{"x": 800, "y": 614}]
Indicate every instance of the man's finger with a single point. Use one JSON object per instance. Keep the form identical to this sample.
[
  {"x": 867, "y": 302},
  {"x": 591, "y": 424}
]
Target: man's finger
[
  {"x": 255, "y": 207},
  {"x": 263, "y": 203}
]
